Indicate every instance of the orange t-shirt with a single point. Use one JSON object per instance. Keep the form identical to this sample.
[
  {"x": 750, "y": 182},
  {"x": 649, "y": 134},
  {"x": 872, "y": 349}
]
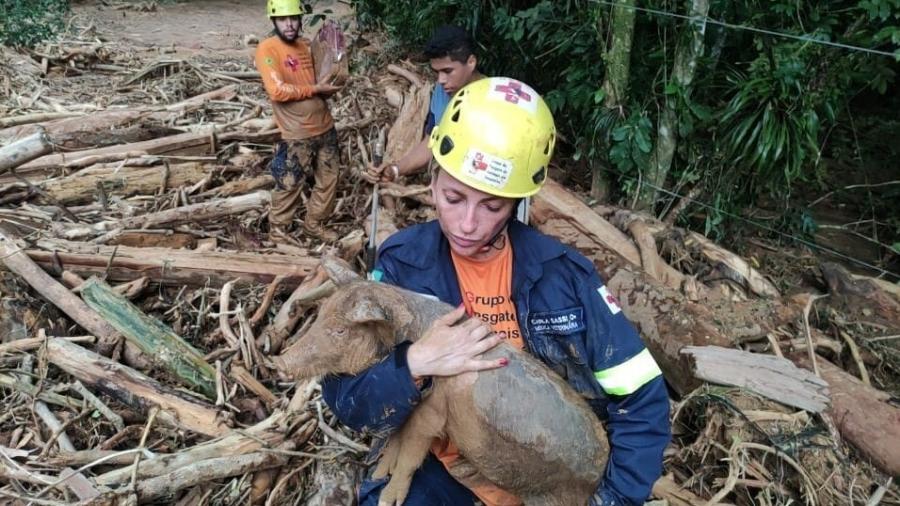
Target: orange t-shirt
[
  {"x": 486, "y": 288},
  {"x": 289, "y": 76}
]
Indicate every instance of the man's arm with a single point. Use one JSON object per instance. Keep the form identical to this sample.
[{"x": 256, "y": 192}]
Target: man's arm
[
  {"x": 638, "y": 408},
  {"x": 276, "y": 88}
]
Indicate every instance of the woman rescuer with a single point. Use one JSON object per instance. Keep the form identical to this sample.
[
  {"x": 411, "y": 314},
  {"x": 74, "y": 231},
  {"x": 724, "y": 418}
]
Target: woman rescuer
[{"x": 492, "y": 148}]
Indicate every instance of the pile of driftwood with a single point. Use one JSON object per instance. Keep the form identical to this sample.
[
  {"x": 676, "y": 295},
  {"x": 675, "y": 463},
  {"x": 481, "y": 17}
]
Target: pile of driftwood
[{"x": 142, "y": 298}]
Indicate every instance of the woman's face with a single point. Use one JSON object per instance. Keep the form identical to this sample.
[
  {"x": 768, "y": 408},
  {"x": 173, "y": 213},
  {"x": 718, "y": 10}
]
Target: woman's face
[{"x": 469, "y": 218}]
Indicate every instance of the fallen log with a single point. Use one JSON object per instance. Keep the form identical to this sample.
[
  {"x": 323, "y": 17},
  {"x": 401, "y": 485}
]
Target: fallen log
[
  {"x": 20, "y": 263},
  {"x": 863, "y": 299},
  {"x": 37, "y": 117},
  {"x": 171, "y": 266},
  {"x": 406, "y": 131},
  {"x": 208, "y": 470},
  {"x": 862, "y": 415},
  {"x": 193, "y": 213},
  {"x": 773, "y": 377},
  {"x": 125, "y": 181},
  {"x": 23, "y": 151},
  {"x": 268, "y": 433},
  {"x": 109, "y": 127},
  {"x": 135, "y": 389},
  {"x": 158, "y": 342},
  {"x": 191, "y": 143},
  {"x": 559, "y": 202}
]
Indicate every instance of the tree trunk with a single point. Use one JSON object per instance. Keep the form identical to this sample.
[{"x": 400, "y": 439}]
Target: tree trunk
[
  {"x": 615, "y": 83},
  {"x": 82, "y": 186},
  {"x": 171, "y": 266},
  {"x": 135, "y": 389},
  {"x": 23, "y": 151},
  {"x": 204, "y": 211},
  {"x": 687, "y": 56}
]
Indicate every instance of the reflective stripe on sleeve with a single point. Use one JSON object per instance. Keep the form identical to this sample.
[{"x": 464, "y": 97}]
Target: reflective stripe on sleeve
[{"x": 630, "y": 375}]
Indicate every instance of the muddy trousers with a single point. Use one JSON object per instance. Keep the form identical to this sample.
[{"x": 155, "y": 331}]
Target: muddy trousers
[
  {"x": 318, "y": 155},
  {"x": 432, "y": 485}
]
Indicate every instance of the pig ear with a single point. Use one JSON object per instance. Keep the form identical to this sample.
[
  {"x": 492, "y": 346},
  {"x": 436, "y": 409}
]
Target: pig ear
[
  {"x": 367, "y": 311},
  {"x": 339, "y": 271}
]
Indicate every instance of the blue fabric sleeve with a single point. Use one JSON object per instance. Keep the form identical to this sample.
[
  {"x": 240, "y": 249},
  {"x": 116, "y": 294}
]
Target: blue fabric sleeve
[
  {"x": 638, "y": 432},
  {"x": 638, "y": 423},
  {"x": 436, "y": 107},
  {"x": 378, "y": 399}
]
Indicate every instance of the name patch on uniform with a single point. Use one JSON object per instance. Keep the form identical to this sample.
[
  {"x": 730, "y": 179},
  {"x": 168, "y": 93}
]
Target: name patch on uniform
[
  {"x": 611, "y": 301},
  {"x": 563, "y": 321}
]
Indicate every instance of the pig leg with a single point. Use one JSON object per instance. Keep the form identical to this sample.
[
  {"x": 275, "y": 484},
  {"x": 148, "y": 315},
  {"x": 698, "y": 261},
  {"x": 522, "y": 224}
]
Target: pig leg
[{"x": 407, "y": 449}]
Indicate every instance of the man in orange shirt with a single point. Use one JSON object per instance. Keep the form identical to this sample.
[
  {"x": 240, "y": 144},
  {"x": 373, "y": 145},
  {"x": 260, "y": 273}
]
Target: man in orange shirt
[{"x": 309, "y": 140}]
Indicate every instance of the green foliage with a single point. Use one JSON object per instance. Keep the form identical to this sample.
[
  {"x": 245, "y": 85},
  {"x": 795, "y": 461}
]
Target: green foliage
[{"x": 28, "y": 22}]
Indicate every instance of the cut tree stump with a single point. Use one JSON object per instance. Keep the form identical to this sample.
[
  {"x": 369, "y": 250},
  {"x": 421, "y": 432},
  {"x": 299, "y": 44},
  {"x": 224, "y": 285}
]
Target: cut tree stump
[
  {"x": 135, "y": 389},
  {"x": 171, "y": 266},
  {"x": 24, "y": 150},
  {"x": 767, "y": 375},
  {"x": 158, "y": 342}
]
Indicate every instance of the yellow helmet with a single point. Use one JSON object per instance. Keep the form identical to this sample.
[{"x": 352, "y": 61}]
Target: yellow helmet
[
  {"x": 497, "y": 136},
  {"x": 275, "y": 8}
]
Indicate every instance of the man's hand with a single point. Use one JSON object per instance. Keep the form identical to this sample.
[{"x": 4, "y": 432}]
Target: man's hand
[
  {"x": 447, "y": 349},
  {"x": 385, "y": 172},
  {"x": 327, "y": 89}
]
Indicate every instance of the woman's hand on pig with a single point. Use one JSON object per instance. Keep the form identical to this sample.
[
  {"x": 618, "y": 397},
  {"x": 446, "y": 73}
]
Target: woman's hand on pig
[{"x": 447, "y": 349}]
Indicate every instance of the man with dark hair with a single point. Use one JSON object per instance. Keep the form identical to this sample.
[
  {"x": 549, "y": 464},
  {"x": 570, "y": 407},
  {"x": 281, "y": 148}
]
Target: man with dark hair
[{"x": 451, "y": 52}]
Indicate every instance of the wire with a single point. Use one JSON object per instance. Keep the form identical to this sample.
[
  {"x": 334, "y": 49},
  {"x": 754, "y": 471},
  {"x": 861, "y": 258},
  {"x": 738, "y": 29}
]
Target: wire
[
  {"x": 763, "y": 226},
  {"x": 752, "y": 29}
]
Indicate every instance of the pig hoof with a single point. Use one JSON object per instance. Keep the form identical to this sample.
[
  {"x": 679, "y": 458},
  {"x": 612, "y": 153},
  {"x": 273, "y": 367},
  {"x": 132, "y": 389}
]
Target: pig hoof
[{"x": 395, "y": 491}]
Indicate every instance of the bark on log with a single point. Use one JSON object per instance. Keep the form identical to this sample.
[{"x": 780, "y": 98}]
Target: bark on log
[
  {"x": 193, "y": 213},
  {"x": 109, "y": 127},
  {"x": 268, "y": 433},
  {"x": 19, "y": 262},
  {"x": 767, "y": 375},
  {"x": 715, "y": 253},
  {"x": 81, "y": 187},
  {"x": 406, "y": 131},
  {"x": 862, "y": 415},
  {"x": 135, "y": 389},
  {"x": 169, "y": 266},
  {"x": 864, "y": 299},
  {"x": 207, "y": 470},
  {"x": 23, "y": 151},
  {"x": 158, "y": 342},
  {"x": 190, "y": 143},
  {"x": 557, "y": 200}
]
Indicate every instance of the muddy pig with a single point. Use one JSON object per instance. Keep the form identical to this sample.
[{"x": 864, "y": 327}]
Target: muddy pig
[{"x": 521, "y": 427}]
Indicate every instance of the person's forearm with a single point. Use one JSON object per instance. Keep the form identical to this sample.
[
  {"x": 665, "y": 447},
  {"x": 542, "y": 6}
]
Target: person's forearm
[{"x": 415, "y": 160}]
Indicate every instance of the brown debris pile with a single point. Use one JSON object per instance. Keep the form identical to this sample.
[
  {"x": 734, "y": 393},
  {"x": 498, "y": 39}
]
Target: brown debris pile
[{"x": 143, "y": 299}]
